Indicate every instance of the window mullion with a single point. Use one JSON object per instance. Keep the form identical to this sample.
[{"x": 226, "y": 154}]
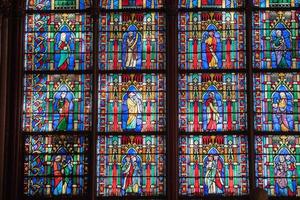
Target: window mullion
[
  {"x": 93, "y": 136},
  {"x": 249, "y": 66},
  {"x": 172, "y": 100}
]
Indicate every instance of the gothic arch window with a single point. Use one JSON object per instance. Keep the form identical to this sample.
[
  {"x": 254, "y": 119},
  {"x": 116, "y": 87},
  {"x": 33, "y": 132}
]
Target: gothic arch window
[
  {"x": 212, "y": 99},
  {"x": 131, "y": 139},
  {"x": 57, "y": 105},
  {"x": 276, "y": 96}
]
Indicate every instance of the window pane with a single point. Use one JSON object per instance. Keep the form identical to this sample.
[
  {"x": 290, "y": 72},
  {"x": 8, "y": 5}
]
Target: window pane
[
  {"x": 57, "y": 4},
  {"x": 213, "y": 165},
  {"x": 211, "y": 40},
  {"x": 58, "y": 42},
  {"x": 132, "y": 102},
  {"x": 212, "y": 102},
  {"x": 277, "y": 164},
  {"x": 210, "y": 3},
  {"x": 276, "y": 39},
  {"x": 132, "y": 41},
  {"x": 277, "y": 104},
  {"x": 121, "y": 4},
  {"x": 131, "y": 165},
  {"x": 55, "y": 165},
  {"x": 276, "y": 3},
  {"x": 57, "y": 102}
]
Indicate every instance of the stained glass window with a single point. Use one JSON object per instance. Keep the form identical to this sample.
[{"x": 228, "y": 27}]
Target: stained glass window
[
  {"x": 131, "y": 164},
  {"x": 197, "y": 94},
  {"x": 277, "y": 164},
  {"x": 131, "y": 99},
  {"x": 40, "y": 5},
  {"x": 116, "y": 29},
  {"x": 57, "y": 101},
  {"x": 136, "y": 4},
  {"x": 225, "y": 157},
  {"x": 276, "y": 39},
  {"x": 276, "y": 95},
  {"x": 55, "y": 165},
  {"x": 223, "y": 32},
  {"x": 276, "y": 3},
  {"x": 277, "y": 102},
  {"x": 114, "y": 94},
  {"x": 115, "y": 98},
  {"x": 212, "y": 99},
  {"x": 210, "y": 3}
]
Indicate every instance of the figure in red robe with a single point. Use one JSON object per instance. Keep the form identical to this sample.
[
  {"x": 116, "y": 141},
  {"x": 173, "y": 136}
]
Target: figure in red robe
[
  {"x": 57, "y": 172},
  {"x": 128, "y": 170},
  {"x": 211, "y": 47},
  {"x": 212, "y": 112}
]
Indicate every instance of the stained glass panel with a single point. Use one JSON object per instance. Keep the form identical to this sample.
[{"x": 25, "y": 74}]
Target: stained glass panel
[
  {"x": 123, "y": 4},
  {"x": 277, "y": 164},
  {"x": 132, "y": 102},
  {"x": 277, "y": 101},
  {"x": 216, "y": 165},
  {"x": 57, "y": 102},
  {"x": 131, "y": 165},
  {"x": 132, "y": 41},
  {"x": 276, "y": 3},
  {"x": 276, "y": 39},
  {"x": 57, "y": 4},
  {"x": 58, "y": 42},
  {"x": 211, "y": 40},
  {"x": 212, "y": 102},
  {"x": 55, "y": 165},
  {"x": 210, "y": 3}
]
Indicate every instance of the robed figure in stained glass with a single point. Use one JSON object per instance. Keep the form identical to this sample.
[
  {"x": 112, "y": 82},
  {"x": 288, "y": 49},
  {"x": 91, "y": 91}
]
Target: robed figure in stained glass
[
  {"x": 132, "y": 48},
  {"x": 131, "y": 172},
  {"x": 281, "y": 42},
  {"x": 63, "y": 106},
  {"x": 282, "y": 109},
  {"x": 212, "y": 49},
  {"x": 214, "y": 171},
  {"x": 132, "y": 110},
  {"x": 212, "y": 104},
  {"x": 63, "y": 46},
  {"x": 62, "y": 169},
  {"x": 284, "y": 169}
]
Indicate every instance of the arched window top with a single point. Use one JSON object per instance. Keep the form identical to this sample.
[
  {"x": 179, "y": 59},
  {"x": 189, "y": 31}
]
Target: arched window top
[
  {"x": 57, "y": 4},
  {"x": 123, "y": 4}
]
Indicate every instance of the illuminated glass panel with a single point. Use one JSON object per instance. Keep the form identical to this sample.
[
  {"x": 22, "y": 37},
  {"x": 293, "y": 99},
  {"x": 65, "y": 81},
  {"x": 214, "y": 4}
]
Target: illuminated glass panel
[
  {"x": 55, "y": 165},
  {"x": 57, "y": 102},
  {"x": 210, "y": 3},
  {"x": 132, "y": 102},
  {"x": 212, "y": 102},
  {"x": 277, "y": 164},
  {"x": 58, "y": 42},
  {"x": 213, "y": 165},
  {"x": 276, "y": 39},
  {"x": 57, "y": 4},
  {"x": 276, "y": 3},
  {"x": 123, "y": 4},
  {"x": 211, "y": 40},
  {"x": 131, "y": 165},
  {"x": 132, "y": 41},
  {"x": 277, "y": 101}
]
